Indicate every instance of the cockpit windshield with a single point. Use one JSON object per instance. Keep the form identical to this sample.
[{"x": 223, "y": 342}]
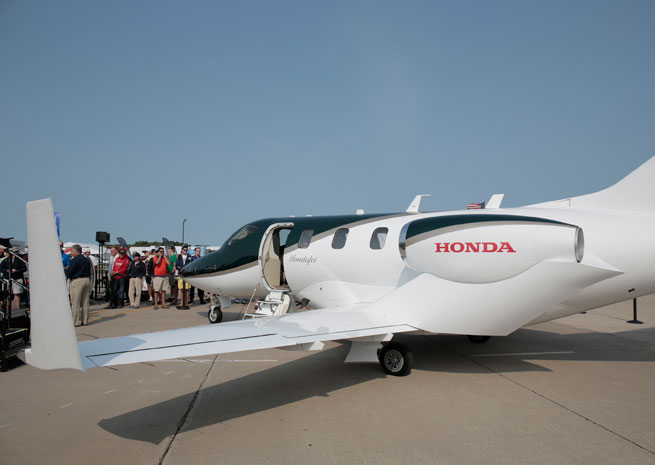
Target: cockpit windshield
[{"x": 242, "y": 233}]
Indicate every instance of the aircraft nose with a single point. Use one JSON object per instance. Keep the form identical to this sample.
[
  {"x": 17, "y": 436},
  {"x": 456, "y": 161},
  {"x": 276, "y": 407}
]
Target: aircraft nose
[
  {"x": 210, "y": 263},
  {"x": 196, "y": 267},
  {"x": 224, "y": 260}
]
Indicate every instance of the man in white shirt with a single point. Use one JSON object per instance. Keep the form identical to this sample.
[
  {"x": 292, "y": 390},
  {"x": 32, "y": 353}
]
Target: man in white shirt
[
  {"x": 94, "y": 268},
  {"x": 110, "y": 284}
]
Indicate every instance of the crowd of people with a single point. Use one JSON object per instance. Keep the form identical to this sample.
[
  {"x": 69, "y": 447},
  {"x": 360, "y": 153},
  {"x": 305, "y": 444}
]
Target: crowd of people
[
  {"x": 125, "y": 278},
  {"x": 161, "y": 273}
]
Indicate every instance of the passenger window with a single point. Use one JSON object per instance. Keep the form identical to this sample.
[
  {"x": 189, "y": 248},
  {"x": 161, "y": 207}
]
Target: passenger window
[
  {"x": 379, "y": 238},
  {"x": 305, "y": 238},
  {"x": 339, "y": 240}
]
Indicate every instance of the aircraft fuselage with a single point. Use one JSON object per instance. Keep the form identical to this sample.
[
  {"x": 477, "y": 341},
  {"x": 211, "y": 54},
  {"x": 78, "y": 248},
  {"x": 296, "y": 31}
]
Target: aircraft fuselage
[{"x": 344, "y": 260}]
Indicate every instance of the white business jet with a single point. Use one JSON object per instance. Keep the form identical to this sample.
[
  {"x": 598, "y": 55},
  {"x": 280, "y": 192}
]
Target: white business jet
[{"x": 478, "y": 273}]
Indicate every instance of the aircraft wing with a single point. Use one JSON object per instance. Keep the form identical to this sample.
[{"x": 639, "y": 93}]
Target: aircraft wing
[{"x": 297, "y": 329}]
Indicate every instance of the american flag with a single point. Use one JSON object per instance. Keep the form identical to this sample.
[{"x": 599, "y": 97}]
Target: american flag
[{"x": 475, "y": 206}]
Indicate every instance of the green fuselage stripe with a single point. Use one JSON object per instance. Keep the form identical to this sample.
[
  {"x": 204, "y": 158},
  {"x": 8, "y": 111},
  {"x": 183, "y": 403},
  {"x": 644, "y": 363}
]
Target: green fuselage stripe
[{"x": 425, "y": 225}]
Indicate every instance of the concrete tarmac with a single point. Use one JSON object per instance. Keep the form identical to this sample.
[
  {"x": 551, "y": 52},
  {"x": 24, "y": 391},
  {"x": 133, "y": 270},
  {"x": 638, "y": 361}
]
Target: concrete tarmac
[{"x": 578, "y": 390}]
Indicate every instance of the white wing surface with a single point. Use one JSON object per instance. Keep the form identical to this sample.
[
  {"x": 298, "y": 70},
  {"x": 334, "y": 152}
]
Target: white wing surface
[{"x": 289, "y": 330}]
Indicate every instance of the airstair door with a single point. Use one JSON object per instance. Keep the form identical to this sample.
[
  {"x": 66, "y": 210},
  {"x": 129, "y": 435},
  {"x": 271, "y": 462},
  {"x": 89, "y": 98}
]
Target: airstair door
[{"x": 271, "y": 255}]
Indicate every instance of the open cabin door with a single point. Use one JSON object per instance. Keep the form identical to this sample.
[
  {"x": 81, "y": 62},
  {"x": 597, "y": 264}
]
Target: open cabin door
[{"x": 271, "y": 255}]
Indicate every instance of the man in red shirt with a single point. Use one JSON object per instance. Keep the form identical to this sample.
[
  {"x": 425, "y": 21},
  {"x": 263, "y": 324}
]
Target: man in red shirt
[
  {"x": 160, "y": 278},
  {"x": 119, "y": 277}
]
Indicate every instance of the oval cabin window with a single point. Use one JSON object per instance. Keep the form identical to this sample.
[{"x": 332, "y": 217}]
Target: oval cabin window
[
  {"x": 305, "y": 238},
  {"x": 379, "y": 238},
  {"x": 339, "y": 239}
]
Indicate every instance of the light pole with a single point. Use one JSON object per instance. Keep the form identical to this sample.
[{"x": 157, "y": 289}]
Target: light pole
[{"x": 183, "y": 231}]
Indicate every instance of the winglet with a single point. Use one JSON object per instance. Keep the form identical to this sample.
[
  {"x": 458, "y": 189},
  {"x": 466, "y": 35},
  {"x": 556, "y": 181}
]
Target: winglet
[
  {"x": 54, "y": 343},
  {"x": 495, "y": 201},
  {"x": 416, "y": 203}
]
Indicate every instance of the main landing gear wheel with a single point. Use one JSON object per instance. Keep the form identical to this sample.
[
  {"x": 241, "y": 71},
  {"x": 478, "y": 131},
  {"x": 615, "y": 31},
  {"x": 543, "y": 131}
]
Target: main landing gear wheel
[
  {"x": 396, "y": 359},
  {"x": 215, "y": 314},
  {"x": 479, "y": 339}
]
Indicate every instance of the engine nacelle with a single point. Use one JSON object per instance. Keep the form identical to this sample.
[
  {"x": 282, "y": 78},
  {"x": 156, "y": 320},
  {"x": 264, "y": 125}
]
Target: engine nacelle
[{"x": 485, "y": 248}]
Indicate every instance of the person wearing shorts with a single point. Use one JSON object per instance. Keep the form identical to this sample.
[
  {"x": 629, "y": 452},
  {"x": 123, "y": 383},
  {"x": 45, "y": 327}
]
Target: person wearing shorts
[
  {"x": 160, "y": 278},
  {"x": 182, "y": 285},
  {"x": 14, "y": 268},
  {"x": 172, "y": 274}
]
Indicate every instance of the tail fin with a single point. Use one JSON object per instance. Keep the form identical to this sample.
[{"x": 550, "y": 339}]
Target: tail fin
[
  {"x": 636, "y": 191},
  {"x": 54, "y": 343}
]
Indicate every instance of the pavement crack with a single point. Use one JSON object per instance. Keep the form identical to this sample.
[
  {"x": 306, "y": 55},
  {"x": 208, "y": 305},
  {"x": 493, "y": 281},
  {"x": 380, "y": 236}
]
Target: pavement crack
[
  {"x": 543, "y": 396},
  {"x": 186, "y": 414}
]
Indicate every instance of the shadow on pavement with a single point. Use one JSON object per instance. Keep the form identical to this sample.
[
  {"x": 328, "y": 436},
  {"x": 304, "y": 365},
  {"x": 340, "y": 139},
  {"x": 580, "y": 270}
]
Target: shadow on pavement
[
  {"x": 94, "y": 320},
  {"x": 321, "y": 373},
  {"x": 315, "y": 375},
  {"x": 511, "y": 353}
]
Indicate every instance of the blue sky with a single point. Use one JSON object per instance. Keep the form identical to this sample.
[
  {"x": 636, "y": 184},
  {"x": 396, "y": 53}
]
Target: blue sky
[{"x": 133, "y": 115}]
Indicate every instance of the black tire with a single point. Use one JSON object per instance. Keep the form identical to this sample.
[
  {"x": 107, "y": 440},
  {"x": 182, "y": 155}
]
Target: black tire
[
  {"x": 479, "y": 339},
  {"x": 396, "y": 359},
  {"x": 215, "y": 314}
]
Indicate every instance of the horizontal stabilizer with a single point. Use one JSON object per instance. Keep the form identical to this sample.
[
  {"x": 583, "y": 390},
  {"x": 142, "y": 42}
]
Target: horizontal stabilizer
[
  {"x": 494, "y": 202},
  {"x": 416, "y": 203}
]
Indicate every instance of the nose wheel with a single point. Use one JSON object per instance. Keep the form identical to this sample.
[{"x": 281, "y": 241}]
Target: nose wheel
[
  {"x": 396, "y": 359},
  {"x": 215, "y": 314}
]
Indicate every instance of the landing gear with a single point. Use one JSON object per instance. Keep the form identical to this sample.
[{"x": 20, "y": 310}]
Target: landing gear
[
  {"x": 215, "y": 314},
  {"x": 396, "y": 359},
  {"x": 479, "y": 339}
]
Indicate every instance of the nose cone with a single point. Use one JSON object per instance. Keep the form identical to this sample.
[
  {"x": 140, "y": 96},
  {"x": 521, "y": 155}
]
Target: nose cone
[
  {"x": 224, "y": 260},
  {"x": 225, "y": 272},
  {"x": 200, "y": 266}
]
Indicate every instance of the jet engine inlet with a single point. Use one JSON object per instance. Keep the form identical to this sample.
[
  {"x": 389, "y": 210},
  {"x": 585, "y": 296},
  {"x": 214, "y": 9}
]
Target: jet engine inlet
[{"x": 579, "y": 244}]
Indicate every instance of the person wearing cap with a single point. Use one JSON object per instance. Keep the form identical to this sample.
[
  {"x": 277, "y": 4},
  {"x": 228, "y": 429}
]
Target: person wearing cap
[
  {"x": 65, "y": 258},
  {"x": 119, "y": 277},
  {"x": 87, "y": 253},
  {"x": 78, "y": 272},
  {"x": 160, "y": 278},
  {"x": 184, "y": 286},
  {"x": 136, "y": 272},
  {"x": 94, "y": 266}
]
